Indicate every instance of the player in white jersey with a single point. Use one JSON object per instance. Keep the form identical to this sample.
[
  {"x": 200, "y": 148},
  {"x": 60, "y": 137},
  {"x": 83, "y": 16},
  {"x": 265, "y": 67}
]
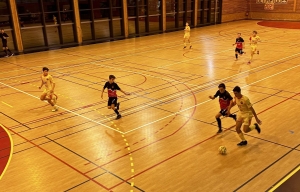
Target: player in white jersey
[
  {"x": 187, "y": 34},
  {"x": 244, "y": 116},
  {"x": 48, "y": 93}
]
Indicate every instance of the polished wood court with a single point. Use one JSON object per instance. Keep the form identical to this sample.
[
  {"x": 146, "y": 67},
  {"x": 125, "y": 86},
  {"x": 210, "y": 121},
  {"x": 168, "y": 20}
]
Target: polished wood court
[{"x": 166, "y": 140}]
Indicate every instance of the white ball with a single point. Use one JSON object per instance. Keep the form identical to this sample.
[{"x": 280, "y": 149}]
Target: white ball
[{"x": 222, "y": 150}]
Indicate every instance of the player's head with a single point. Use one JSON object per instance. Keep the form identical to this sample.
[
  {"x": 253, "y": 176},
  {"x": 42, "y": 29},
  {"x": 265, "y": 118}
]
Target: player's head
[
  {"x": 2, "y": 30},
  {"x": 222, "y": 87},
  {"x": 237, "y": 91},
  {"x": 239, "y": 34},
  {"x": 111, "y": 78},
  {"x": 187, "y": 24},
  {"x": 45, "y": 71},
  {"x": 254, "y": 33}
]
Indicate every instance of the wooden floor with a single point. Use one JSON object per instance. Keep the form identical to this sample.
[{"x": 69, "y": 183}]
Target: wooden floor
[{"x": 166, "y": 140}]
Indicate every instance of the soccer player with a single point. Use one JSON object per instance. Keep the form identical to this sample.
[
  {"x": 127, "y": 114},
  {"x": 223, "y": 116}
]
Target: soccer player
[
  {"x": 253, "y": 43},
  {"x": 244, "y": 116},
  {"x": 112, "y": 88},
  {"x": 48, "y": 93},
  {"x": 239, "y": 42},
  {"x": 187, "y": 35},
  {"x": 224, "y": 99},
  {"x": 4, "y": 37}
]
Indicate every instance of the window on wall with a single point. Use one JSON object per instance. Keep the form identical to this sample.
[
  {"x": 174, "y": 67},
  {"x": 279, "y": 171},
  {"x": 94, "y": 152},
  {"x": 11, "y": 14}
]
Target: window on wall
[
  {"x": 5, "y": 22},
  {"x": 46, "y": 22},
  {"x": 209, "y": 12},
  {"x": 101, "y": 19},
  {"x": 144, "y": 16},
  {"x": 179, "y": 12}
]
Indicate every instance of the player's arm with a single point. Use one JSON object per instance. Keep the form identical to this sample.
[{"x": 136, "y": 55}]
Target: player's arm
[
  {"x": 124, "y": 92},
  {"x": 255, "y": 115},
  {"x": 104, "y": 87},
  {"x": 215, "y": 96},
  {"x": 232, "y": 104},
  {"x": 41, "y": 84}
]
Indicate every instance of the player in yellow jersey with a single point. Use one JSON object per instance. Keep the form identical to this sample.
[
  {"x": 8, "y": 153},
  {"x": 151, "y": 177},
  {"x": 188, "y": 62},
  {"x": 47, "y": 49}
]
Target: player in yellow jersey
[
  {"x": 244, "y": 116},
  {"x": 187, "y": 34},
  {"x": 253, "y": 44},
  {"x": 48, "y": 93}
]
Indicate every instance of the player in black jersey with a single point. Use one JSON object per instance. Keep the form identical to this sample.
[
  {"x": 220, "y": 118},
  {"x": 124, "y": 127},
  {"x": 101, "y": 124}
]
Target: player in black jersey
[
  {"x": 239, "y": 42},
  {"x": 225, "y": 100},
  {"x": 112, "y": 88},
  {"x": 4, "y": 37}
]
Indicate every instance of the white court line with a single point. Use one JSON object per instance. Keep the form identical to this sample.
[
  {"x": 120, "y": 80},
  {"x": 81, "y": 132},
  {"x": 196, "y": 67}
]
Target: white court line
[
  {"x": 196, "y": 86},
  {"x": 64, "y": 109},
  {"x": 206, "y": 101}
]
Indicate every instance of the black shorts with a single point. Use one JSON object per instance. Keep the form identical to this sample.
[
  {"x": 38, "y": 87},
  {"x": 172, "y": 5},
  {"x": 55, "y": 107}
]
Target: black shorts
[
  {"x": 223, "y": 112},
  {"x": 240, "y": 51},
  {"x": 112, "y": 100},
  {"x": 4, "y": 44}
]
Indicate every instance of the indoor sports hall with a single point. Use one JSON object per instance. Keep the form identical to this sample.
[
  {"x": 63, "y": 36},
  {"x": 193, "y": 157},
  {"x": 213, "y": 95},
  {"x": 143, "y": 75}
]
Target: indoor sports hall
[{"x": 166, "y": 138}]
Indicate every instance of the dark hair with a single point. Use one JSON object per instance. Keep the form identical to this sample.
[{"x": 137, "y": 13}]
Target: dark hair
[
  {"x": 255, "y": 32},
  {"x": 45, "y": 69},
  {"x": 112, "y": 77},
  {"x": 239, "y": 33},
  {"x": 222, "y": 85},
  {"x": 237, "y": 89}
]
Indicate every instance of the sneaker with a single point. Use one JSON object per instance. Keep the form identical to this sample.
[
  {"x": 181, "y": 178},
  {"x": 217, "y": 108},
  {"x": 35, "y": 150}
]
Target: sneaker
[
  {"x": 220, "y": 131},
  {"x": 257, "y": 52},
  {"x": 6, "y": 56},
  {"x": 12, "y": 54},
  {"x": 234, "y": 117},
  {"x": 54, "y": 109},
  {"x": 257, "y": 127},
  {"x": 190, "y": 47},
  {"x": 242, "y": 143},
  {"x": 249, "y": 62},
  {"x": 118, "y": 106},
  {"x": 184, "y": 47},
  {"x": 118, "y": 117}
]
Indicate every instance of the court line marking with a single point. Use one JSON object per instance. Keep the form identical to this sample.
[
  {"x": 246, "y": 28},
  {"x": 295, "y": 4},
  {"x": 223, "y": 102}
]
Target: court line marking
[
  {"x": 196, "y": 86},
  {"x": 284, "y": 179},
  {"x": 7, "y": 104},
  {"x": 11, "y": 149},
  {"x": 59, "y": 159},
  {"x": 64, "y": 109},
  {"x": 209, "y": 100}
]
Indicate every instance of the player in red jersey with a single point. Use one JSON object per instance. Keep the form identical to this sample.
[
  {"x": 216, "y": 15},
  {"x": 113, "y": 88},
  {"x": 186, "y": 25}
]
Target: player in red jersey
[
  {"x": 225, "y": 101},
  {"x": 239, "y": 42},
  {"x": 112, "y": 88}
]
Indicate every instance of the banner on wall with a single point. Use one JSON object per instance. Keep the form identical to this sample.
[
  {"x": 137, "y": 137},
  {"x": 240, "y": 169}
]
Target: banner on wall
[{"x": 271, "y": 1}]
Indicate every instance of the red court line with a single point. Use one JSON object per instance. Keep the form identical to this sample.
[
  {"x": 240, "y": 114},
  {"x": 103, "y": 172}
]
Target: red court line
[
  {"x": 59, "y": 159},
  {"x": 195, "y": 145}
]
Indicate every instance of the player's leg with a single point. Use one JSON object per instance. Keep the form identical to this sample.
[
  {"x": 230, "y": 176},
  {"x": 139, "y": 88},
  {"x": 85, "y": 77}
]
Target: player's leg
[
  {"x": 236, "y": 54},
  {"x": 189, "y": 42},
  {"x": 114, "y": 107},
  {"x": 219, "y": 121},
  {"x": 43, "y": 96},
  {"x": 248, "y": 127},
  {"x": 184, "y": 41},
  {"x": 253, "y": 49},
  {"x": 10, "y": 53},
  {"x": 5, "y": 51},
  {"x": 52, "y": 101},
  {"x": 239, "y": 123}
]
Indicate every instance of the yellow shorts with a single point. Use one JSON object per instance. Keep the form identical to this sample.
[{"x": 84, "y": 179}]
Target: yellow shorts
[
  {"x": 186, "y": 36},
  {"x": 244, "y": 117},
  {"x": 48, "y": 93},
  {"x": 253, "y": 47}
]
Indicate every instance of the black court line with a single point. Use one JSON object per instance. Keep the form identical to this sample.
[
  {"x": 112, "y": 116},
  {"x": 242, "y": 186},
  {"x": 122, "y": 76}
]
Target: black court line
[
  {"x": 93, "y": 163},
  {"x": 277, "y": 160}
]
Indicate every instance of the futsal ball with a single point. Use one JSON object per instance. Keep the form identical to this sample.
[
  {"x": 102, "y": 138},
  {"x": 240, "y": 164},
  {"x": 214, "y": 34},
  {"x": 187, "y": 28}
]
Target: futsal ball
[{"x": 222, "y": 150}]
